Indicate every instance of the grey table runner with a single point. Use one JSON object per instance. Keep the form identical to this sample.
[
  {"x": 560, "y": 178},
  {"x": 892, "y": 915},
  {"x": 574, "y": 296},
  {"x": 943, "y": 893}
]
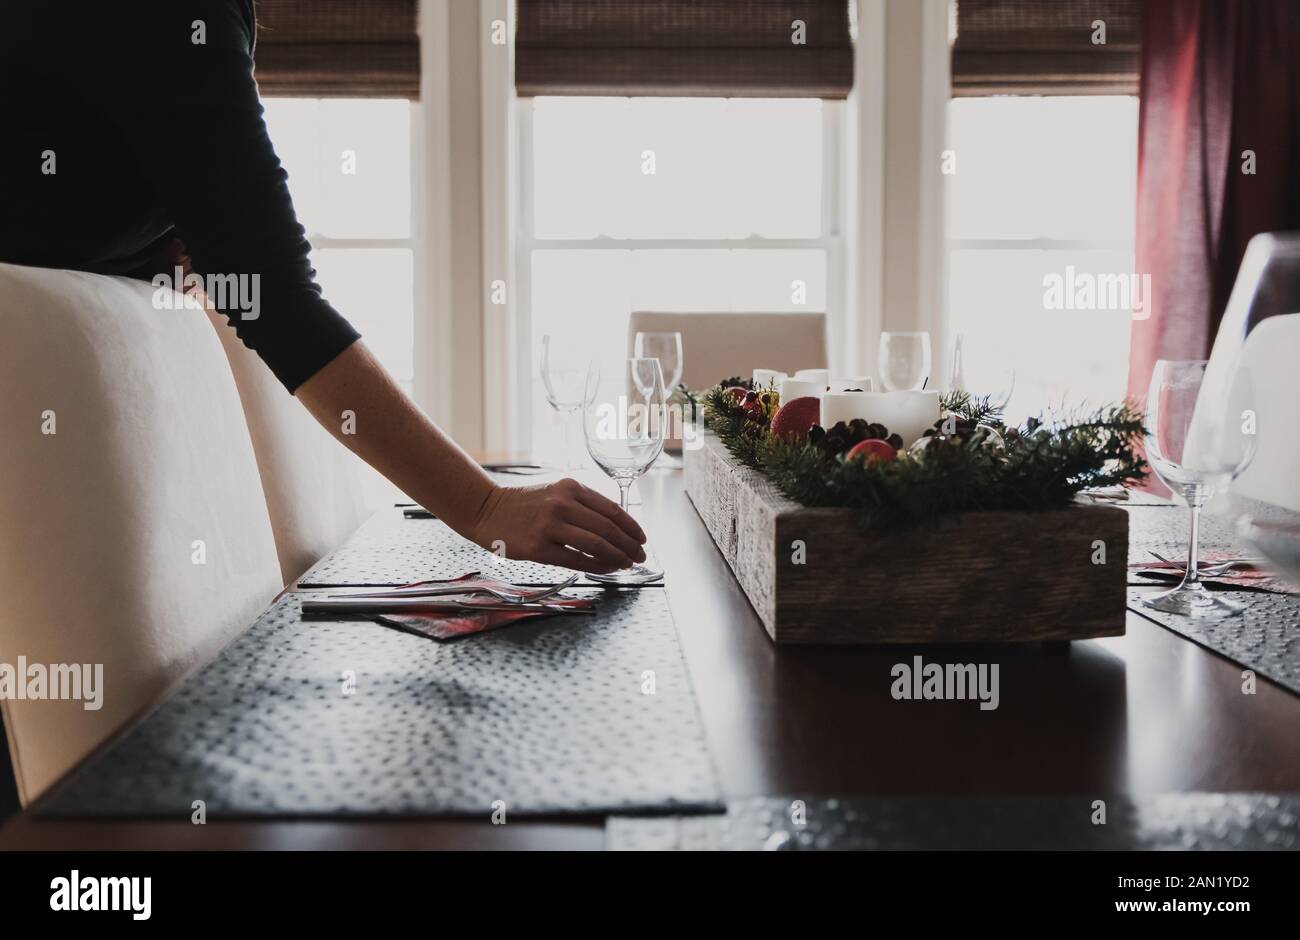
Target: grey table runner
[
  {"x": 1172, "y": 821},
  {"x": 571, "y": 714}
]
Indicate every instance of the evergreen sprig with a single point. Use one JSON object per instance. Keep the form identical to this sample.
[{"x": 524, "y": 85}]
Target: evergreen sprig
[{"x": 1038, "y": 466}]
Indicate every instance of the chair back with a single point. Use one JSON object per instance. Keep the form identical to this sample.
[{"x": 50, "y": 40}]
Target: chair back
[{"x": 134, "y": 538}]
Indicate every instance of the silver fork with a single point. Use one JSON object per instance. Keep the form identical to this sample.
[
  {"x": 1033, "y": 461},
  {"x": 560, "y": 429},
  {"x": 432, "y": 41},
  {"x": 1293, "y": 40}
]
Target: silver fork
[
  {"x": 1209, "y": 571},
  {"x": 507, "y": 597}
]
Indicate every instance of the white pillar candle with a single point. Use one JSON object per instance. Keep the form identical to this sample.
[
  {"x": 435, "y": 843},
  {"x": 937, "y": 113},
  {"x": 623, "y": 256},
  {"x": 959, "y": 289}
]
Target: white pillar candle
[
  {"x": 842, "y": 406},
  {"x": 862, "y": 383},
  {"x": 797, "y": 388},
  {"x": 907, "y": 414},
  {"x": 821, "y": 376},
  {"x": 765, "y": 377}
]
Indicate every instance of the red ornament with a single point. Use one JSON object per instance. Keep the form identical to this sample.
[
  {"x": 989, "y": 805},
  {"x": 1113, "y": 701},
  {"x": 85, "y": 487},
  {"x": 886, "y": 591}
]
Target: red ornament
[
  {"x": 874, "y": 452},
  {"x": 737, "y": 395},
  {"x": 793, "y": 419}
]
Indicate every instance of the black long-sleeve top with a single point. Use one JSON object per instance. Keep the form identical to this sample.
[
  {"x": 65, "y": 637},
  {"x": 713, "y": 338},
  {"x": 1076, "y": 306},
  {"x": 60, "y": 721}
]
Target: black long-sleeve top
[{"x": 131, "y": 136}]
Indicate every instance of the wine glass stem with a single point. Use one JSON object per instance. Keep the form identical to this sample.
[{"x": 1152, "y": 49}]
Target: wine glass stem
[
  {"x": 1192, "y": 577},
  {"x": 568, "y": 443},
  {"x": 623, "y": 486}
]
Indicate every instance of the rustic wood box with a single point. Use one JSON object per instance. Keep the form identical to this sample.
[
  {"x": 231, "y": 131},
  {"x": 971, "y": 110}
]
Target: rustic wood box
[{"x": 974, "y": 577}]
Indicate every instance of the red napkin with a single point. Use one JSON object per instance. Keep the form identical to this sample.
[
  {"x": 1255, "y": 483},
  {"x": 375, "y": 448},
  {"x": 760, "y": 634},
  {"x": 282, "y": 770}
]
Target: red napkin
[
  {"x": 1241, "y": 576},
  {"x": 442, "y": 625}
]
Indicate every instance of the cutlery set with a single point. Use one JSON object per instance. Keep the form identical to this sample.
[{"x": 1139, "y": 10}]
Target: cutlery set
[{"x": 469, "y": 593}]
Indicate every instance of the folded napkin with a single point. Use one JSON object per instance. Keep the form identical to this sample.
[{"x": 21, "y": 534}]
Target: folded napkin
[
  {"x": 1250, "y": 576},
  {"x": 439, "y": 623},
  {"x": 442, "y": 625}
]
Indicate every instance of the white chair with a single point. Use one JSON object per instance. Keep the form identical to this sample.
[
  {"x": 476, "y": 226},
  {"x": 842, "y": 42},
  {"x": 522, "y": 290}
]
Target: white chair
[
  {"x": 313, "y": 484},
  {"x": 133, "y": 526},
  {"x": 1272, "y": 356},
  {"x": 1264, "y": 311}
]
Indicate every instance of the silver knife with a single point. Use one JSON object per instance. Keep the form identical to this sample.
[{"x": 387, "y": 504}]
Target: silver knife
[{"x": 397, "y": 605}]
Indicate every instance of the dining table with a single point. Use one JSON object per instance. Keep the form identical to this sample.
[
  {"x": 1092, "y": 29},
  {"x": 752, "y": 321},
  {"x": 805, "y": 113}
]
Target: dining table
[{"x": 1146, "y": 713}]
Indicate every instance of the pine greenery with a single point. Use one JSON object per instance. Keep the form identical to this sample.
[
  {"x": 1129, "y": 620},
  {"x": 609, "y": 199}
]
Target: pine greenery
[{"x": 1040, "y": 465}]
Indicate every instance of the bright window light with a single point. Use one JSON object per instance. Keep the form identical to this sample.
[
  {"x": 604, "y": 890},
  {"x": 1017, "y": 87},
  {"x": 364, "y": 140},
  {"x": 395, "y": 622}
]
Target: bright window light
[
  {"x": 349, "y": 167},
  {"x": 1043, "y": 187},
  {"x": 704, "y": 168}
]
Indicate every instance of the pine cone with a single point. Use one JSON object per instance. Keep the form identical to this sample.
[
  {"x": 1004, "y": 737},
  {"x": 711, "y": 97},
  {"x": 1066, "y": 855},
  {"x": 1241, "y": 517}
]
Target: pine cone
[{"x": 841, "y": 438}]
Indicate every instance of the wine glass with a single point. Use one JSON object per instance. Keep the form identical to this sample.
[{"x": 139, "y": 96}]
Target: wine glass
[
  {"x": 904, "y": 360},
  {"x": 1196, "y": 448},
  {"x": 564, "y": 377},
  {"x": 624, "y": 437},
  {"x": 667, "y": 348}
]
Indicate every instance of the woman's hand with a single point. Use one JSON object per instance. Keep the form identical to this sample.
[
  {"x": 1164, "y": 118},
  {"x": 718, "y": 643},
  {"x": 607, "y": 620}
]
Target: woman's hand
[{"x": 562, "y": 523}]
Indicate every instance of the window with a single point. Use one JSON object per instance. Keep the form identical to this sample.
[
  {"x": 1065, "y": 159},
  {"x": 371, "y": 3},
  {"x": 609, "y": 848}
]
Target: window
[
  {"x": 1043, "y": 189},
  {"x": 669, "y": 204},
  {"x": 349, "y": 166}
]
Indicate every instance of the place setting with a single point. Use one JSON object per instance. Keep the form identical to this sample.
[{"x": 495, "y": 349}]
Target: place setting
[{"x": 1215, "y": 437}]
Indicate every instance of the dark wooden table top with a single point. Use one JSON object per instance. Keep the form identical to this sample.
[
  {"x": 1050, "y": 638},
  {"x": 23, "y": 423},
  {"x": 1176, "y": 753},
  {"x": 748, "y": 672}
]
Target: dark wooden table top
[{"x": 1140, "y": 714}]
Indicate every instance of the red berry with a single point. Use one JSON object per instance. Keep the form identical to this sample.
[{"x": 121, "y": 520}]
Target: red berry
[{"x": 874, "y": 451}]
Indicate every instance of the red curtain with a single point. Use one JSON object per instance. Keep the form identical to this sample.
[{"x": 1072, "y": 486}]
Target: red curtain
[{"x": 1220, "y": 96}]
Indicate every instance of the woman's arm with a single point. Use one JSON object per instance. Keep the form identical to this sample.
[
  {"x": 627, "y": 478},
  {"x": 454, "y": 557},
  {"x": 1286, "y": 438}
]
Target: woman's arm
[{"x": 535, "y": 523}]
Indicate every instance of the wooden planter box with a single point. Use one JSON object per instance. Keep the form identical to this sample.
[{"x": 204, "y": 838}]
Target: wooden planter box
[{"x": 975, "y": 577}]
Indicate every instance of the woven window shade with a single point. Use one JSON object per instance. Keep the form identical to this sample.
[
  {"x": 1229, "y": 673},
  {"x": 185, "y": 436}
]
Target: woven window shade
[
  {"x": 1045, "y": 47},
  {"x": 726, "y": 48},
  {"x": 338, "y": 48}
]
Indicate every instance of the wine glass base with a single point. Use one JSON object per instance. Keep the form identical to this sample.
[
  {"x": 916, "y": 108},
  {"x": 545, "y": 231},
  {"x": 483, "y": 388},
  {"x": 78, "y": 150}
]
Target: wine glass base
[
  {"x": 1192, "y": 602},
  {"x": 637, "y": 574}
]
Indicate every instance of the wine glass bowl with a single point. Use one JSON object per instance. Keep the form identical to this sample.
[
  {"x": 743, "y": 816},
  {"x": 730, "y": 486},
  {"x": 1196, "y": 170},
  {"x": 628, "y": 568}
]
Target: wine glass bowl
[
  {"x": 625, "y": 435},
  {"x": 564, "y": 379},
  {"x": 667, "y": 348},
  {"x": 564, "y": 376},
  {"x": 904, "y": 360}
]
